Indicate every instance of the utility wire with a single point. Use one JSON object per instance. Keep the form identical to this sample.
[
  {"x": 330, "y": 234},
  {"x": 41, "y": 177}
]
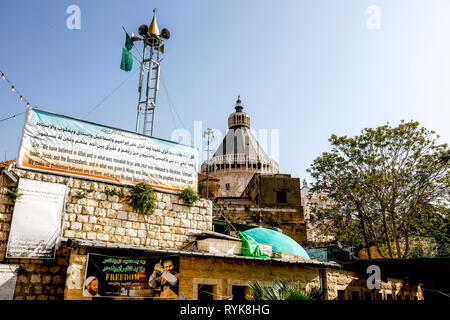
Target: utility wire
[
  {"x": 13, "y": 116},
  {"x": 109, "y": 94},
  {"x": 13, "y": 88},
  {"x": 171, "y": 105},
  {"x": 16, "y": 91}
]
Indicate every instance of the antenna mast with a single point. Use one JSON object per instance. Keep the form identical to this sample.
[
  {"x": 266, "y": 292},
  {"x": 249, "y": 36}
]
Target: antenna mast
[
  {"x": 208, "y": 134},
  {"x": 151, "y": 58}
]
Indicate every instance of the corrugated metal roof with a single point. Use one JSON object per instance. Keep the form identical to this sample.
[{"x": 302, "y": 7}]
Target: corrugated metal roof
[{"x": 107, "y": 245}]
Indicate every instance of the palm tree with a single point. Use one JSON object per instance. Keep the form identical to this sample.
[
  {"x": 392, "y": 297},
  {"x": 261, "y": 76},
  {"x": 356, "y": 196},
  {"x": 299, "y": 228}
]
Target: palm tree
[{"x": 282, "y": 290}]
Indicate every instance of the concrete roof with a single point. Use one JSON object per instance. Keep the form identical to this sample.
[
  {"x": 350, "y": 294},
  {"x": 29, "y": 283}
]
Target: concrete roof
[{"x": 107, "y": 245}]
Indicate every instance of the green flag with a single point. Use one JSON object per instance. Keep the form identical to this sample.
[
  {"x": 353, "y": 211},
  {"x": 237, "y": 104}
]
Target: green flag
[
  {"x": 128, "y": 42},
  {"x": 127, "y": 60},
  {"x": 250, "y": 247}
]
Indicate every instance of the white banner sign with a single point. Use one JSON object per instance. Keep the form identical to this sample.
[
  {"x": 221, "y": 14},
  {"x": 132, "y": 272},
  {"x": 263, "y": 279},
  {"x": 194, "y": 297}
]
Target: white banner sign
[
  {"x": 55, "y": 143},
  {"x": 8, "y": 279},
  {"x": 36, "y": 220}
]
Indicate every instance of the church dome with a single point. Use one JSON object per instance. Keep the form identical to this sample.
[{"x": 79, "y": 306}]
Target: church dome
[
  {"x": 239, "y": 118},
  {"x": 280, "y": 242},
  {"x": 239, "y": 148},
  {"x": 238, "y": 157}
]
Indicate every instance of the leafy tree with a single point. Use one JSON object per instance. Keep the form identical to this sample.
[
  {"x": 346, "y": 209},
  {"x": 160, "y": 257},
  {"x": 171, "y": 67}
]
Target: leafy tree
[{"x": 383, "y": 187}]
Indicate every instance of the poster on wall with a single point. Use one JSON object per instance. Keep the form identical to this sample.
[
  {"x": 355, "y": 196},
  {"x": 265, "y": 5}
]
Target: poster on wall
[
  {"x": 60, "y": 144},
  {"x": 36, "y": 221},
  {"x": 134, "y": 277},
  {"x": 8, "y": 279}
]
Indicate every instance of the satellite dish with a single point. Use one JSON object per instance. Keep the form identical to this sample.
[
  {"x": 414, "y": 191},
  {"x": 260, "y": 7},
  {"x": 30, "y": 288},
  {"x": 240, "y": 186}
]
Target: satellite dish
[
  {"x": 165, "y": 33},
  {"x": 143, "y": 29}
]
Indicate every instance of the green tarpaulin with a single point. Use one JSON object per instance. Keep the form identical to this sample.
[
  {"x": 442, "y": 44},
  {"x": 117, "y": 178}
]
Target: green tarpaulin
[{"x": 250, "y": 248}]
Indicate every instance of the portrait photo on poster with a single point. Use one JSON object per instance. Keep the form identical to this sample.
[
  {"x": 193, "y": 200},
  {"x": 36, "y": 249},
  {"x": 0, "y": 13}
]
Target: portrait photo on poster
[{"x": 154, "y": 277}]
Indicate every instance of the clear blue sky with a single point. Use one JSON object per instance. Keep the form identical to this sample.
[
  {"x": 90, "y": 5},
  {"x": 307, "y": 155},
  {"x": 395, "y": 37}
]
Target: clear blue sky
[{"x": 307, "y": 68}]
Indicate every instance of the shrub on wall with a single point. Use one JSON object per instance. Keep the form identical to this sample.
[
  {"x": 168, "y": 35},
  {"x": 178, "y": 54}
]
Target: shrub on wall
[
  {"x": 189, "y": 196},
  {"x": 143, "y": 198},
  {"x": 13, "y": 194}
]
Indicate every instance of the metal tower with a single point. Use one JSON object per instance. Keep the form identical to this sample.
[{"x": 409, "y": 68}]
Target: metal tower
[
  {"x": 208, "y": 134},
  {"x": 151, "y": 58}
]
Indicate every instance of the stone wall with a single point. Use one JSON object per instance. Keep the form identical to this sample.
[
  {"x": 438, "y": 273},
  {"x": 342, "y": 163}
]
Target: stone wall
[
  {"x": 236, "y": 179},
  {"x": 220, "y": 272},
  {"x": 350, "y": 283},
  {"x": 288, "y": 219},
  {"x": 223, "y": 274},
  {"x": 314, "y": 236},
  {"x": 42, "y": 279},
  {"x": 95, "y": 212},
  {"x": 75, "y": 275}
]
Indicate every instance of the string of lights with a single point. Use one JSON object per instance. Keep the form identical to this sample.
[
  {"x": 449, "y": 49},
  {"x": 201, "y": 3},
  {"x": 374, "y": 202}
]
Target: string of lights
[
  {"x": 13, "y": 116},
  {"x": 18, "y": 93}
]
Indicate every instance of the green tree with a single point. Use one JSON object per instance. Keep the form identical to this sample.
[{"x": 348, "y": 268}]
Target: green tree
[{"x": 383, "y": 187}]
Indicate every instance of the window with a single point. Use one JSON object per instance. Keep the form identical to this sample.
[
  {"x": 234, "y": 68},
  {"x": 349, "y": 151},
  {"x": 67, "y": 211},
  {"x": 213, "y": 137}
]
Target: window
[
  {"x": 389, "y": 296},
  {"x": 227, "y": 186},
  {"x": 399, "y": 297},
  {"x": 367, "y": 296},
  {"x": 281, "y": 197},
  {"x": 205, "y": 292},
  {"x": 239, "y": 293},
  {"x": 341, "y": 295},
  {"x": 379, "y": 296},
  {"x": 407, "y": 297},
  {"x": 355, "y": 295}
]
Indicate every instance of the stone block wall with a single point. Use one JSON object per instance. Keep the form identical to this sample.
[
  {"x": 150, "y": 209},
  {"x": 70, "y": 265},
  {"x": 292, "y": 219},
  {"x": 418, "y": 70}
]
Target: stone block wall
[
  {"x": 95, "y": 212},
  {"x": 288, "y": 220},
  {"x": 236, "y": 179},
  {"x": 224, "y": 273},
  {"x": 75, "y": 275},
  {"x": 100, "y": 212},
  {"x": 41, "y": 279},
  {"x": 349, "y": 282},
  {"x": 228, "y": 246}
]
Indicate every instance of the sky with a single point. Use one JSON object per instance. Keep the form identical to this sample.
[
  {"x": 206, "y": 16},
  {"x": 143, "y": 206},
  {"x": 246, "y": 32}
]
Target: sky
[{"x": 304, "y": 69}]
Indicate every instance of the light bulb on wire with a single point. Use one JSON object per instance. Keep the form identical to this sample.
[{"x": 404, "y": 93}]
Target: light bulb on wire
[
  {"x": 14, "y": 117},
  {"x": 21, "y": 98},
  {"x": 12, "y": 89},
  {"x": 3, "y": 76}
]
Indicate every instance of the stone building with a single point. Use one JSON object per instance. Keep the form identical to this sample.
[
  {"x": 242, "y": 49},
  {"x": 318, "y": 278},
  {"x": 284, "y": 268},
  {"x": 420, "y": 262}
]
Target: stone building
[
  {"x": 238, "y": 157},
  {"x": 210, "y": 265},
  {"x": 309, "y": 199},
  {"x": 271, "y": 201},
  {"x": 245, "y": 184}
]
